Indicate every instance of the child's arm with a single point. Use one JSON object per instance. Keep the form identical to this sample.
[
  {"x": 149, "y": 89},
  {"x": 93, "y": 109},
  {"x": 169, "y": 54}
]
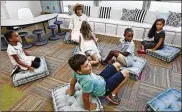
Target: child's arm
[
  {"x": 124, "y": 53},
  {"x": 26, "y": 52},
  {"x": 88, "y": 105},
  {"x": 71, "y": 90},
  {"x": 161, "y": 40},
  {"x": 80, "y": 43},
  {"x": 94, "y": 38},
  {"x": 21, "y": 63}
]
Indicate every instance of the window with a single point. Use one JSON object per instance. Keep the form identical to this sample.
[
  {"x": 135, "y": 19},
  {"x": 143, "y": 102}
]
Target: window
[
  {"x": 122, "y": 4},
  {"x": 165, "y": 6},
  {"x": 66, "y": 3}
]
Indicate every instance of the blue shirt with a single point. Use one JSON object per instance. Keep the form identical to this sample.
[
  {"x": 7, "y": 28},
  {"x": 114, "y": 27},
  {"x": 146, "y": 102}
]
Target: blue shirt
[{"x": 91, "y": 83}]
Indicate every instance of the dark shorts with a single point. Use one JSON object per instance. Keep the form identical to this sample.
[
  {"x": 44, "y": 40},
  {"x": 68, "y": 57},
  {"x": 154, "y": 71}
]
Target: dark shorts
[
  {"x": 150, "y": 45},
  {"x": 112, "y": 77},
  {"x": 36, "y": 62}
]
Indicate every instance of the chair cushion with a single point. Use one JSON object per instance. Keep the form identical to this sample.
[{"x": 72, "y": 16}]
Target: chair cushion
[
  {"x": 128, "y": 14},
  {"x": 37, "y": 31},
  {"x": 150, "y": 17},
  {"x": 58, "y": 22},
  {"x": 52, "y": 27},
  {"x": 137, "y": 67},
  {"x": 94, "y": 12},
  {"x": 65, "y": 102},
  {"x": 105, "y": 12},
  {"x": 168, "y": 100},
  {"x": 174, "y": 19},
  {"x": 140, "y": 15},
  {"x": 26, "y": 76},
  {"x": 86, "y": 10},
  {"x": 167, "y": 53},
  {"x": 116, "y": 14},
  {"x": 70, "y": 10},
  {"x": 23, "y": 34}
]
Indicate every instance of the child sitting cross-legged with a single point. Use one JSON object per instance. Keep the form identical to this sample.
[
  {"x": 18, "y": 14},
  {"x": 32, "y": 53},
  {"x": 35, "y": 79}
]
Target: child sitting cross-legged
[
  {"x": 126, "y": 52},
  {"x": 107, "y": 83},
  {"x": 17, "y": 55}
]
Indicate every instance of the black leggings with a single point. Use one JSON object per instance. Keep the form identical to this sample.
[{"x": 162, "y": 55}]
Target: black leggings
[{"x": 36, "y": 62}]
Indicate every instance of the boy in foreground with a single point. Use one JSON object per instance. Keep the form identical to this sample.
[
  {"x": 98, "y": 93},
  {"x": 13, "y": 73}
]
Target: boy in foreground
[{"x": 107, "y": 83}]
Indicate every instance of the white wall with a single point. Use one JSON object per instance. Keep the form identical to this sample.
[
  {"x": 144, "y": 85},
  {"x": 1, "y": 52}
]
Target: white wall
[
  {"x": 165, "y": 6},
  {"x": 4, "y": 11},
  {"x": 13, "y": 6}
]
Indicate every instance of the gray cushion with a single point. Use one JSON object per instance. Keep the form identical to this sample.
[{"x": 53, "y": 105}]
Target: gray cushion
[
  {"x": 150, "y": 17},
  {"x": 116, "y": 14},
  {"x": 167, "y": 53},
  {"x": 65, "y": 102},
  {"x": 94, "y": 12},
  {"x": 27, "y": 76},
  {"x": 70, "y": 10},
  {"x": 136, "y": 68},
  {"x": 174, "y": 19},
  {"x": 128, "y": 15},
  {"x": 168, "y": 100}
]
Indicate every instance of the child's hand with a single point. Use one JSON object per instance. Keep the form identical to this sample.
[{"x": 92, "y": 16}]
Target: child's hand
[
  {"x": 152, "y": 49},
  {"x": 30, "y": 68},
  {"x": 92, "y": 106},
  {"x": 69, "y": 92}
]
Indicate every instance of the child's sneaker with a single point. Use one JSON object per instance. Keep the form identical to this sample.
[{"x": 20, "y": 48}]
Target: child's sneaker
[
  {"x": 113, "y": 99},
  {"x": 15, "y": 70},
  {"x": 141, "y": 52}
]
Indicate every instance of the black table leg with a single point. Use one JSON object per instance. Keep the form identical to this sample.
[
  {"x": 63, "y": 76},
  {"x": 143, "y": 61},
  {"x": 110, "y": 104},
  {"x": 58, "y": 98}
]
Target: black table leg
[{"x": 44, "y": 27}]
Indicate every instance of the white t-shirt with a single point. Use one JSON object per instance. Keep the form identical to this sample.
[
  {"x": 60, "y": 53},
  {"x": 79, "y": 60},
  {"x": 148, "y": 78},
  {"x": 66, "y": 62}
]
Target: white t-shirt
[
  {"x": 17, "y": 50},
  {"x": 76, "y": 21},
  {"x": 130, "y": 48},
  {"x": 86, "y": 45},
  {"x": 75, "y": 25}
]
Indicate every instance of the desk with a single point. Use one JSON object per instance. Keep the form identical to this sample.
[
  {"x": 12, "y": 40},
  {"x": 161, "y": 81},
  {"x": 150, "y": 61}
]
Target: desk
[{"x": 36, "y": 20}]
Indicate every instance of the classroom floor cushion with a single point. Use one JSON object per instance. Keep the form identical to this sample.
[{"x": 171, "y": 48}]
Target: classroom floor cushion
[
  {"x": 64, "y": 102},
  {"x": 136, "y": 68},
  {"x": 168, "y": 100},
  {"x": 23, "y": 77},
  {"x": 167, "y": 53}
]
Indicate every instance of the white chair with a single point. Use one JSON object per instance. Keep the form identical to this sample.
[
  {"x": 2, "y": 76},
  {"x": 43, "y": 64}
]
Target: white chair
[{"x": 26, "y": 14}]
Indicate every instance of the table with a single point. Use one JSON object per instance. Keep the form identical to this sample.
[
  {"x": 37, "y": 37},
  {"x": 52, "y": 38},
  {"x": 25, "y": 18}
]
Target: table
[
  {"x": 36, "y": 20},
  {"x": 31, "y": 21}
]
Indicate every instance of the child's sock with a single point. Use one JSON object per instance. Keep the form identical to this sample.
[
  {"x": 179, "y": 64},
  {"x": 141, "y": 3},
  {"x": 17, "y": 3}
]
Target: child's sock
[{"x": 113, "y": 94}]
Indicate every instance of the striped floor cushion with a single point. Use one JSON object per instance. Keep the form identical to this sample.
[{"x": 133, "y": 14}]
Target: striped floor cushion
[
  {"x": 167, "y": 53},
  {"x": 137, "y": 67},
  {"x": 64, "y": 102},
  {"x": 27, "y": 76},
  {"x": 168, "y": 100}
]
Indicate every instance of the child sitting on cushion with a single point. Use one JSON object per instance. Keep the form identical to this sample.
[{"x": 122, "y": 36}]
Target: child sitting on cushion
[
  {"x": 88, "y": 43},
  {"x": 126, "y": 53},
  {"x": 107, "y": 83},
  {"x": 75, "y": 24},
  {"x": 17, "y": 55},
  {"x": 159, "y": 36}
]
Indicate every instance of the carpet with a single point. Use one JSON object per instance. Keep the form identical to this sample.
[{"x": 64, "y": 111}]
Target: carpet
[{"x": 11, "y": 96}]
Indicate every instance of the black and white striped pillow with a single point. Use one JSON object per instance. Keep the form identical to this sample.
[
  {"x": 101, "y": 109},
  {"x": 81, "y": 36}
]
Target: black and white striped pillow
[
  {"x": 86, "y": 10},
  {"x": 105, "y": 12},
  {"x": 140, "y": 15}
]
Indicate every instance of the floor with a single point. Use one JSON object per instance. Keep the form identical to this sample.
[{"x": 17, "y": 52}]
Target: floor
[{"x": 156, "y": 77}]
